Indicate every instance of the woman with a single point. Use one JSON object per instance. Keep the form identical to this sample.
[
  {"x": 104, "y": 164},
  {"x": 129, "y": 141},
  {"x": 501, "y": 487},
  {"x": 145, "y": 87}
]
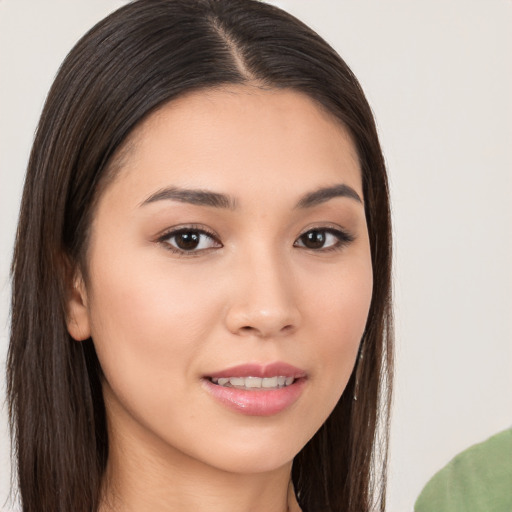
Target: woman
[{"x": 201, "y": 280}]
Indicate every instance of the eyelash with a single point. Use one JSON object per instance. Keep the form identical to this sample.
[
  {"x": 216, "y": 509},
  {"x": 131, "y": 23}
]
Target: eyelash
[
  {"x": 343, "y": 238},
  {"x": 164, "y": 239}
]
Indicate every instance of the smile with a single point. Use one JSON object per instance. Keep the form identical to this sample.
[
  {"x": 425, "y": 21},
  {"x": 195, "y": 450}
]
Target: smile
[
  {"x": 257, "y": 389},
  {"x": 254, "y": 383}
]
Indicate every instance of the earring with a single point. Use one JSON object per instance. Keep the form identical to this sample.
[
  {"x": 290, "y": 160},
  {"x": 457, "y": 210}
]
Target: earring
[{"x": 358, "y": 364}]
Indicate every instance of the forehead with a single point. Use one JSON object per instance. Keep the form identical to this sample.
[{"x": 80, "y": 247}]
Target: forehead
[{"x": 240, "y": 135}]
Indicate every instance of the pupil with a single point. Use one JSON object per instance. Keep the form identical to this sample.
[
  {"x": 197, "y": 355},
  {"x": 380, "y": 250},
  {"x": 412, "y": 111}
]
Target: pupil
[
  {"x": 188, "y": 240},
  {"x": 314, "y": 239}
]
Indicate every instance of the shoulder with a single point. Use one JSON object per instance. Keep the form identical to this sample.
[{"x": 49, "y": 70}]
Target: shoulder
[{"x": 478, "y": 479}]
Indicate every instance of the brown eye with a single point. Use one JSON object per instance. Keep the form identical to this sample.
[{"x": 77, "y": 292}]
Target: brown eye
[
  {"x": 323, "y": 239},
  {"x": 313, "y": 239},
  {"x": 189, "y": 240}
]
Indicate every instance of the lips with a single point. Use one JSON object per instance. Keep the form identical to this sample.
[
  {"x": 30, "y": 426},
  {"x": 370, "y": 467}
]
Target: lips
[
  {"x": 256, "y": 370},
  {"x": 257, "y": 390}
]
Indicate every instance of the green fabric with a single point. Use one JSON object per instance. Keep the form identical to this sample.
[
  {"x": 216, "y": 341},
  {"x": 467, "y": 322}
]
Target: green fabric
[{"x": 477, "y": 480}]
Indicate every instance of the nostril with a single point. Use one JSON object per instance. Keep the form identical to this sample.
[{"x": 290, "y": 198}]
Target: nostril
[{"x": 248, "y": 329}]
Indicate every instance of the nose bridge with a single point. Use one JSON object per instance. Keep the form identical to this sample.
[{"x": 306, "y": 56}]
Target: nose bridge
[{"x": 264, "y": 302}]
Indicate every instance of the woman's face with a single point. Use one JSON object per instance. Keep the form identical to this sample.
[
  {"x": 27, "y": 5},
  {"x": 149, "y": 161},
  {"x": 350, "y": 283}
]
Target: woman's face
[{"x": 229, "y": 279}]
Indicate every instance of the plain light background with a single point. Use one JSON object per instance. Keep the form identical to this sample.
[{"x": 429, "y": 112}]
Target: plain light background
[{"x": 438, "y": 75}]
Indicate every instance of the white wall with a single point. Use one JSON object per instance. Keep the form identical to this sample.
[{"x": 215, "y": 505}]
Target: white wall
[{"x": 438, "y": 75}]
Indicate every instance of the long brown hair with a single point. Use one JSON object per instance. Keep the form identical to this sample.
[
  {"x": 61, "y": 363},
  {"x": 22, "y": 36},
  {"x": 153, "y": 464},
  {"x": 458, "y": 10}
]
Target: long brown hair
[{"x": 131, "y": 63}]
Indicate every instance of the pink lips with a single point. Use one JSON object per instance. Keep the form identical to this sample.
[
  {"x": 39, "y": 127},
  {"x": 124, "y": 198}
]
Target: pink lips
[
  {"x": 259, "y": 401},
  {"x": 256, "y": 370}
]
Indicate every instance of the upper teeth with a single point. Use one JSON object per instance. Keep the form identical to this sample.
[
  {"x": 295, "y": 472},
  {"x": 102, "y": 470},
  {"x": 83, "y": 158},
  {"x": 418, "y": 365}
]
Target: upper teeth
[{"x": 254, "y": 382}]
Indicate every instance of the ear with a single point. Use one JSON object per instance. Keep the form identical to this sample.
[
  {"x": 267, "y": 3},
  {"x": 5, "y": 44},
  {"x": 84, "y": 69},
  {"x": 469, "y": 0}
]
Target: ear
[{"x": 77, "y": 318}]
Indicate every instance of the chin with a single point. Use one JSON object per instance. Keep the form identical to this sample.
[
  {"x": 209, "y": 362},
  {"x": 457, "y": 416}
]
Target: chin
[
  {"x": 252, "y": 463},
  {"x": 255, "y": 454}
]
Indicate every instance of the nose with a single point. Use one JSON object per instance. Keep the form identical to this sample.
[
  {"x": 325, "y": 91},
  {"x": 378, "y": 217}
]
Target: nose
[{"x": 264, "y": 302}]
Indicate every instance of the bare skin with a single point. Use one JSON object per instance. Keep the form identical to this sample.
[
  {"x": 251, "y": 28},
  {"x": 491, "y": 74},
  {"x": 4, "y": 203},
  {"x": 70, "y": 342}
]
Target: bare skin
[{"x": 264, "y": 271}]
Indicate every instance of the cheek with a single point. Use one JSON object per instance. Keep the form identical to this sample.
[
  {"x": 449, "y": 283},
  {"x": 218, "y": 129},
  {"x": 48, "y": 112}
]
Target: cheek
[
  {"x": 341, "y": 313},
  {"x": 147, "y": 324},
  {"x": 346, "y": 308}
]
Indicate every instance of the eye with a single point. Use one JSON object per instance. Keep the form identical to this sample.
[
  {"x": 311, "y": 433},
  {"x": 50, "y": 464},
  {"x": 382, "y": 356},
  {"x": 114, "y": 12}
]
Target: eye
[
  {"x": 323, "y": 239},
  {"x": 189, "y": 240}
]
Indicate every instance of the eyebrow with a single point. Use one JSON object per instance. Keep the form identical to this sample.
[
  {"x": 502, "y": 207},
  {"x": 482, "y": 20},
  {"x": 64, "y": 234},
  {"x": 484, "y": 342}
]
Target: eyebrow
[
  {"x": 324, "y": 194},
  {"x": 217, "y": 200},
  {"x": 192, "y": 196}
]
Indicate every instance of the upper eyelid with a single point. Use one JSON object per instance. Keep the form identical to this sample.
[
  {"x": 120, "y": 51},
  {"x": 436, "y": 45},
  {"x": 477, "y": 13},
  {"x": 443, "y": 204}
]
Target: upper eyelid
[
  {"x": 331, "y": 228},
  {"x": 333, "y": 231},
  {"x": 176, "y": 230}
]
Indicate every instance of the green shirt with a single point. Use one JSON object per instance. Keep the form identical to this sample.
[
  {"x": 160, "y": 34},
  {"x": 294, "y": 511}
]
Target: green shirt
[{"x": 477, "y": 480}]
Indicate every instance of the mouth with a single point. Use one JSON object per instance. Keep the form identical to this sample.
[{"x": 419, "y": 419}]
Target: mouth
[
  {"x": 254, "y": 383},
  {"x": 257, "y": 389}
]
